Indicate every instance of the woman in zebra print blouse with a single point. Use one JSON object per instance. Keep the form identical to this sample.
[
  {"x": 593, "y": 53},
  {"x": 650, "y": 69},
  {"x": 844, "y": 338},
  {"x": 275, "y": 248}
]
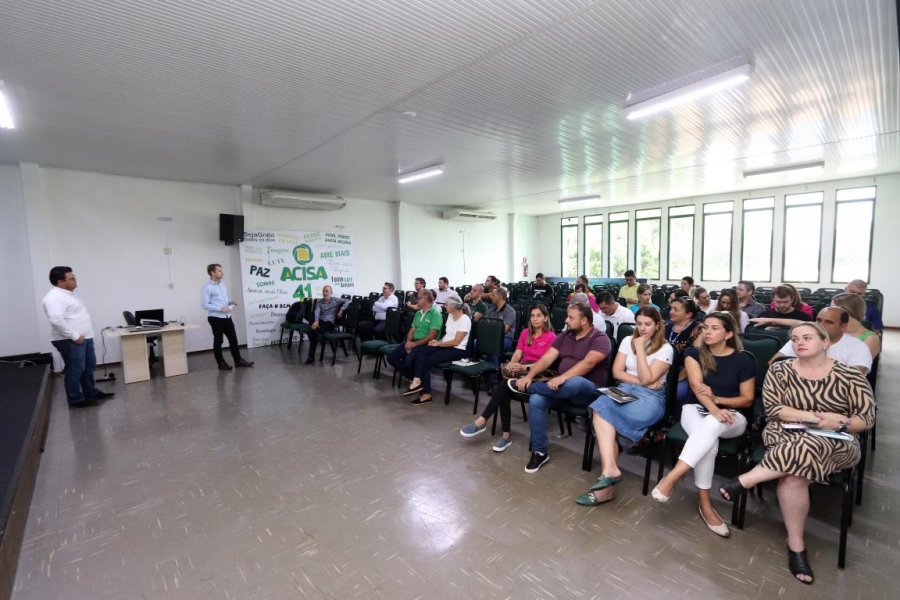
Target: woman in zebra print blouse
[{"x": 822, "y": 394}]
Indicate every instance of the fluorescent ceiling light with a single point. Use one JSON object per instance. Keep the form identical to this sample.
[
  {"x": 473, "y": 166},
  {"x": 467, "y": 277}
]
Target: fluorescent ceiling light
[
  {"x": 579, "y": 201},
  {"x": 817, "y": 165},
  {"x": 421, "y": 174},
  {"x": 692, "y": 91},
  {"x": 6, "y": 120}
]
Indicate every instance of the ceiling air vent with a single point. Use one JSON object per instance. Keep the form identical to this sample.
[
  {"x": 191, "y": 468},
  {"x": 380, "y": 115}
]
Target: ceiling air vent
[
  {"x": 297, "y": 200},
  {"x": 458, "y": 214}
]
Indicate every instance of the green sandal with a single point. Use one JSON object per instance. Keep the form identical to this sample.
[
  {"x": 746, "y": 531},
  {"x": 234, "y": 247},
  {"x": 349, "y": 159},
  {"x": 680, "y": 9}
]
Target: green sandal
[
  {"x": 605, "y": 482},
  {"x": 590, "y": 499}
]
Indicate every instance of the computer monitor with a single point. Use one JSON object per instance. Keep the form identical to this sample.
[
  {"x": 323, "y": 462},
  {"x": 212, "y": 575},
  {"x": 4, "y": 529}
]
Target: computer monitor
[{"x": 155, "y": 315}]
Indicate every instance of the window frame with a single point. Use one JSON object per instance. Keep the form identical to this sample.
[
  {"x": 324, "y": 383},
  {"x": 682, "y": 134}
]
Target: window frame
[
  {"x": 562, "y": 242},
  {"x": 744, "y": 212},
  {"x": 703, "y": 276},
  {"x": 637, "y": 243},
  {"x": 670, "y": 219},
  {"x": 601, "y": 223},
  {"x": 838, "y": 203},
  {"x": 784, "y": 222},
  {"x": 627, "y": 221}
]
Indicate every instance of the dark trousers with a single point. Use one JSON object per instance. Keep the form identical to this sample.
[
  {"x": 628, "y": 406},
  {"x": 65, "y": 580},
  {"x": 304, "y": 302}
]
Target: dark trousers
[
  {"x": 500, "y": 401},
  {"x": 224, "y": 327},
  {"x": 495, "y": 360},
  {"x": 370, "y": 329},
  {"x": 401, "y": 360},
  {"x": 80, "y": 362},
  {"x": 421, "y": 363},
  {"x": 314, "y": 334}
]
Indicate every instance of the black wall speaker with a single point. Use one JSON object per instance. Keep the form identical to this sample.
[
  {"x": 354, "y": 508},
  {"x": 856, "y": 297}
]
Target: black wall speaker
[{"x": 231, "y": 228}]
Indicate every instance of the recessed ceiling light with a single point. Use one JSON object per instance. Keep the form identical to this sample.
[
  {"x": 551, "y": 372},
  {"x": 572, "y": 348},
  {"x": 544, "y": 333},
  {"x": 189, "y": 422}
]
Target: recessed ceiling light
[
  {"x": 793, "y": 168},
  {"x": 6, "y": 120},
  {"x": 432, "y": 171},
  {"x": 692, "y": 91}
]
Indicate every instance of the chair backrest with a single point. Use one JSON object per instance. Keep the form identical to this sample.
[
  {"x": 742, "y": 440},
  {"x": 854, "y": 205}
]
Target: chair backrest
[
  {"x": 558, "y": 316},
  {"x": 610, "y": 330},
  {"x": 762, "y": 347},
  {"x": 490, "y": 336},
  {"x": 351, "y": 317},
  {"x": 672, "y": 384},
  {"x": 294, "y": 313},
  {"x": 625, "y": 329},
  {"x": 610, "y": 360},
  {"x": 374, "y": 296},
  {"x": 129, "y": 317},
  {"x": 658, "y": 298},
  {"x": 623, "y": 302},
  {"x": 392, "y": 324}
]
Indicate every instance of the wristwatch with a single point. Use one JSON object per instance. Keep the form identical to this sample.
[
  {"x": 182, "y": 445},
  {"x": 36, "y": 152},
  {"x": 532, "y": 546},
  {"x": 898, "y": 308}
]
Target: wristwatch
[{"x": 842, "y": 428}]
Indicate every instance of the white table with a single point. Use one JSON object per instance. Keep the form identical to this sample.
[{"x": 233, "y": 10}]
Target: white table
[{"x": 136, "y": 359}]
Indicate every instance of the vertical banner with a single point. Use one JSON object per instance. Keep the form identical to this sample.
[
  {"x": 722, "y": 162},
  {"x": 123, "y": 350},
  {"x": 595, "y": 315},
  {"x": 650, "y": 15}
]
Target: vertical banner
[{"x": 283, "y": 267}]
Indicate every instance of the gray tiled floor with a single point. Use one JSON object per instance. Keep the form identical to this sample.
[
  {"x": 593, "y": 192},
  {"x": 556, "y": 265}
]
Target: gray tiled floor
[{"x": 286, "y": 481}]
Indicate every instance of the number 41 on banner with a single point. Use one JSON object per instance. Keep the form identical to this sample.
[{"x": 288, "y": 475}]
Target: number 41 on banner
[{"x": 299, "y": 293}]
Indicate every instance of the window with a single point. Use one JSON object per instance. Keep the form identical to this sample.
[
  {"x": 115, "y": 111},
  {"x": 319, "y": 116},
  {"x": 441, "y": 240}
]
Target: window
[
  {"x": 618, "y": 244},
  {"x": 569, "y": 247},
  {"x": 853, "y": 221},
  {"x": 681, "y": 242},
  {"x": 646, "y": 244},
  {"x": 756, "y": 239},
  {"x": 716, "y": 251},
  {"x": 593, "y": 246},
  {"x": 802, "y": 237}
]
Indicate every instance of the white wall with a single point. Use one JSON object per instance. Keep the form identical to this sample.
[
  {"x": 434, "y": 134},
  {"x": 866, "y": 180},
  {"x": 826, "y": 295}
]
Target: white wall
[
  {"x": 463, "y": 251},
  {"x": 18, "y": 312},
  {"x": 884, "y": 247},
  {"x": 372, "y": 224}
]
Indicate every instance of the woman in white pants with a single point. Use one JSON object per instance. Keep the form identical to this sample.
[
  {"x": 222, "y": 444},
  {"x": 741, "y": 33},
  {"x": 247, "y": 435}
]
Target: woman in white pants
[{"x": 722, "y": 379}]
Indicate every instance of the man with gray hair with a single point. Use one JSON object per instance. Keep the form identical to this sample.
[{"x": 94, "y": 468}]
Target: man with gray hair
[{"x": 501, "y": 310}]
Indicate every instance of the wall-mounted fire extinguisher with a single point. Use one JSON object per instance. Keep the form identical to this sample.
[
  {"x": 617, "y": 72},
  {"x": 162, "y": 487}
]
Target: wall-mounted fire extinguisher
[{"x": 524, "y": 266}]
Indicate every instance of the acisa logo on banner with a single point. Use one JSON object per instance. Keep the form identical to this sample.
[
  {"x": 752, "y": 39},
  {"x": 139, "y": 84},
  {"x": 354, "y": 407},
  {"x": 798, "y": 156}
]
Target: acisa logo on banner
[{"x": 303, "y": 254}]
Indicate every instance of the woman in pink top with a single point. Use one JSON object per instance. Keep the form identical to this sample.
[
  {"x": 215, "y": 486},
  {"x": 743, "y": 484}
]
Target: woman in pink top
[{"x": 533, "y": 344}]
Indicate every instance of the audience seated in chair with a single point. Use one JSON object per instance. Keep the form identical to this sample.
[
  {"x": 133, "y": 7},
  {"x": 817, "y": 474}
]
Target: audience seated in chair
[
  {"x": 582, "y": 298},
  {"x": 705, "y": 303},
  {"x": 386, "y": 300},
  {"x": 500, "y": 309},
  {"x": 449, "y": 348},
  {"x": 745, "y": 290},
  {"x": 687, "y": 284},
  {"x": 666, "y": 312},
  {"x": 534, "y": 341},
  {"x": 541, "y": 290},
  {"x": 443, "y": 292},
  {"x": 856, "y": 311},
  {"x": 728, "y": 302},
  {"x": 477, "y": 306},
  {"x": 786, "y": 312},
  {"x": 841, "y": 346},
  {"x": 614, "y": 312},
  {"x": 425, "y": 327},
  {"x": 873, "y": 315},
  {"x": 722, "y": 379},
  {"x": 821, "y": 393},
  {"x": 629, "y": 291},
  {"x": 328, "y": 310},
  {"x": 581, "y": 352},
  {"x": 796, "y": 301},
  {"x": 645, "y": 293},
  {"x": 640, "y": 368}
]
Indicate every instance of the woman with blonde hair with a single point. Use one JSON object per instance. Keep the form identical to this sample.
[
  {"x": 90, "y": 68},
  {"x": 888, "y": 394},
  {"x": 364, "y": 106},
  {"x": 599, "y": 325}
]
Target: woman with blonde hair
[
  {"x": 704, "y": 302},
  {"x": 831, "y": 403},
  {"x": 855, "y": 307},
  {"x": 641, "y": 367},
  {"x": 644, "y": 292},
  {"x": 723, "y": 380}
]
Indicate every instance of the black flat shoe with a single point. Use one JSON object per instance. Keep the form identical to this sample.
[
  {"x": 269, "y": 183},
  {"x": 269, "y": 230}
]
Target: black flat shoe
[
  {"x": 224, "y": 366},
  {"x": 798, "y": 564},
  {"x": 732, "y": 490},
  {"x": 103, "y": 395},
  {"x": 244, "y": 363},
  {"x": 86, "y": 403},
  {"x": 310, "y": 361}
]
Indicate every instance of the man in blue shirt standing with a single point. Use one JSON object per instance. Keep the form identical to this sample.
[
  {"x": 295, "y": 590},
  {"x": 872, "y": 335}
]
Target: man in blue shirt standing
[{"x": 214, "y": 300}]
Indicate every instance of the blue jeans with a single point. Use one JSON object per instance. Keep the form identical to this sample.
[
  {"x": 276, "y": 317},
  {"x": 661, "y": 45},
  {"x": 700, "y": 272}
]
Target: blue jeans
[
  {"x": 576, "y": 390},
  {"x": 80, "y": 362},
  {"x": 495, "y": 360}
]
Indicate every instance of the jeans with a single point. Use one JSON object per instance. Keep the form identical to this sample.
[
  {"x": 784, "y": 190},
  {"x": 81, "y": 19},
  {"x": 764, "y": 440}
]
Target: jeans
[
  {"x": 420, "y": 363},
  {"x": 495, "y": 360},
  {"x": 80, "y": 362},
  {"x": 224, "y": 327},
  {"x": 576, "y": 390}
]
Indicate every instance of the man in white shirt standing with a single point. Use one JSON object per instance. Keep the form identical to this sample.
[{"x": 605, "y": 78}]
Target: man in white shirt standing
[
  {"x": 214, "y": 300},
  {"x": 614, "y": 312},
  {"x": 73, "y": 336},
  {"x": 841, "y": 347}
]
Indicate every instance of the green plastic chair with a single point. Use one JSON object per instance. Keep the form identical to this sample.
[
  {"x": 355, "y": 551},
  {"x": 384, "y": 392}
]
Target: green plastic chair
[
  {"x": 490, "y": 342},
  {"x": 347, "y": 332},
  {"x": 393, "y": 334},
  {"x": 391, "y": 331}
]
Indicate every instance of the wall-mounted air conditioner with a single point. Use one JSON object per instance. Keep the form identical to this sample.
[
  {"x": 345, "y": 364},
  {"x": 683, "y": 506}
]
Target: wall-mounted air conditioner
[
  {"x": 298, "y": 200},
  {"x": 458, "y": 214}
]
